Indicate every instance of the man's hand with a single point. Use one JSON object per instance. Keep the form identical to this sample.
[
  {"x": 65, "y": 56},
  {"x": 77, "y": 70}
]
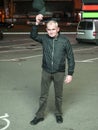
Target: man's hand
[
  {"x": 68, "y": 79},
  {"x": 39, "y": 17}
]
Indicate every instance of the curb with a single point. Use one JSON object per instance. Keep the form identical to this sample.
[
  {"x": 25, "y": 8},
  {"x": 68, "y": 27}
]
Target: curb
[{"x": 14, "y": 33}]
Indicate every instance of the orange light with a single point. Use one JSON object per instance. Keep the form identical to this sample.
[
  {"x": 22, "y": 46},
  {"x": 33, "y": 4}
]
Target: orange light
[{"x": 89, "y": 7}]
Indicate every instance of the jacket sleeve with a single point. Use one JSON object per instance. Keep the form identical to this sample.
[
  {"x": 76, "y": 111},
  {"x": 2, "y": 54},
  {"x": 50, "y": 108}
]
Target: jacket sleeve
[
  {"x": 70, "y": 58},
  {"x": 34, "y": 34}
]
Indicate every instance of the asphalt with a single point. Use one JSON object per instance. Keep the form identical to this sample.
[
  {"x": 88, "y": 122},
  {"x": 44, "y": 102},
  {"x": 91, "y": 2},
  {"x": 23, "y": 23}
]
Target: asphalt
[{"x": 20, "y": 89}]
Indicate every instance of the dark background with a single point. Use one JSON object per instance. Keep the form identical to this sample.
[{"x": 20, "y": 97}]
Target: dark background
[{"x": 90, "y": 1}]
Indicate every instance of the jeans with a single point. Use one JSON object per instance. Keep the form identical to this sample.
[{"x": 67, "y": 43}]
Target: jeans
[{"x": 47, "y": 78}]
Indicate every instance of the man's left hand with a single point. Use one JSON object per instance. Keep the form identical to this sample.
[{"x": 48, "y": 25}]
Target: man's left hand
[{"x": 68, "y": 79}]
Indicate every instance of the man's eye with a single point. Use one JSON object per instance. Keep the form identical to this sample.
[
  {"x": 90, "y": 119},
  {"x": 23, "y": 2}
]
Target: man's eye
[{"x": 51, "y": 29}]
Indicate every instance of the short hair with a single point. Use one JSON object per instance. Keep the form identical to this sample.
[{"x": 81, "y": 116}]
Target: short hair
[{"x": 51, "y": 22}]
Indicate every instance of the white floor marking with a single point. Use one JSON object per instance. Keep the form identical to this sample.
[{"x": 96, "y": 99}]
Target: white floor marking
[
  {"x": 21, "y": 58},
  {"x": 39, "y": 48},
  {"x": 90, "y": 60},
  {"x": 4, "y": 118}
]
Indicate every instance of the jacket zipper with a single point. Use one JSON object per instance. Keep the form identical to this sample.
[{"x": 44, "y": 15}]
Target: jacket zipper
[{"x": 52, "y": 63}]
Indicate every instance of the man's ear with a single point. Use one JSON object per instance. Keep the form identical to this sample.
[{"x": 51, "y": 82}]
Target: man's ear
[
  {"x": 46, "y": 29},
  {"x": 58, "y": 29}
]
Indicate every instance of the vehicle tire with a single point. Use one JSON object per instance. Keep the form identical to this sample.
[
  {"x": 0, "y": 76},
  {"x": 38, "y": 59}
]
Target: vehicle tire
[
  {"x": 97, "y": 42},
  {"x": 78, "y": 41}
]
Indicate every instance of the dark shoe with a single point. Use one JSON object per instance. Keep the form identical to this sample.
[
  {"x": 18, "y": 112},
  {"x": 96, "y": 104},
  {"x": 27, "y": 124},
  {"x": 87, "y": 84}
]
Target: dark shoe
[
  {"x": 36, "y": 120},
  {"x": 59, "y": 119}
]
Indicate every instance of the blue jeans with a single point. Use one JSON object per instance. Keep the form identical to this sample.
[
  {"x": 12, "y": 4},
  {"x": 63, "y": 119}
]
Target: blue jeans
[{"x": 47, "y": 78}]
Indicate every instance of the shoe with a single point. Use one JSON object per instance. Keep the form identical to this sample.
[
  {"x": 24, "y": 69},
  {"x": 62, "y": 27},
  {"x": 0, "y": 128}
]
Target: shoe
[
  {"x": 36, "y": 120},
  {"x": 59, "y": 119}
]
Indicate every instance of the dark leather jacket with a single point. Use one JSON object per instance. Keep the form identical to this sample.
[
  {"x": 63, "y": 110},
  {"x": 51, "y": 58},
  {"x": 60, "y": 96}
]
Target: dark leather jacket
[{"x": 55, "y": 52}]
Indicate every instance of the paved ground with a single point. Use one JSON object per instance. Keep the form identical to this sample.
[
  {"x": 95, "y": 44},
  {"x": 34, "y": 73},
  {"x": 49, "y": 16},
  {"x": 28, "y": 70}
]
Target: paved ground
[{"x": 20, "y": 72}]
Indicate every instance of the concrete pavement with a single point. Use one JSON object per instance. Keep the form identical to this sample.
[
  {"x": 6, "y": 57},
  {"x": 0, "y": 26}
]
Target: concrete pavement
[{"x": 20, "y": 91}]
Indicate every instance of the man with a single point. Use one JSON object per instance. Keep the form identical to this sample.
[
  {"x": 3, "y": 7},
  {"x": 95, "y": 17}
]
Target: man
[{"x": 56, "y": 49}]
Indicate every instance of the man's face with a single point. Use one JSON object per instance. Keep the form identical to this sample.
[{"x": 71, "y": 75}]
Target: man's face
[{"x": 52, "y": 30}]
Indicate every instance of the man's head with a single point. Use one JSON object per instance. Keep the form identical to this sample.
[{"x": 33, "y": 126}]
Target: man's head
[{"x": 52, "y": 28}]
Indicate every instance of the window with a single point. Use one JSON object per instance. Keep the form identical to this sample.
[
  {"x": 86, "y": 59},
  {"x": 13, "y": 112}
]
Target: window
[
  {"x": 89, "y": 25},
  {"x": 86, "y": 25},
  {"x": 82, "y": 25}
]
